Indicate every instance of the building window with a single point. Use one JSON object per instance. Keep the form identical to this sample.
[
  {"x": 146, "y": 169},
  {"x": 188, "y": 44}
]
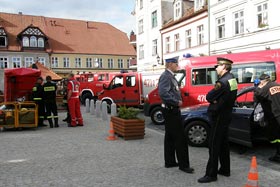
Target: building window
[
  {"x": 239, "y": 22},
  {"x": 176, "y": 42},
  {"x": 154, "y": 19},
  {"x": 178, "y": 12},
  {"x": 110, "y": 63},
  {"x": 128, "y": 63},
  {"x": 16, "y": 62},
  {"x": 199, "y": 4},
  {"x": 200, "y": 35},
  {"x": 140, "y": 26},
  {"x": 3, "y": 41},
  {"x": 188, "y": 38},
  {"x": 141, "y": 51},
  {"x": 78, "y": 62},
  {"x": 3, "y": 62},
  {"x": 141, "y": 4},
  {"x": 42, "y": 60},
  {"x": 66, "y": 62},
  {"x": 167, "y": 44},
  {"x": 89, "y": 62},
  {"x": 220, "y": 22},
  {"x": 25, "y": 41},
  {"x": 262, "y": 15},
  {"x": 41, "y": 42},
  {"x": 33, "y": 41},
  {"x": 154, "y": 48},
  {"x": 54, "y": 62},
  {"x": 120, "y": 63},
  {"x": 28, "y": 61}
]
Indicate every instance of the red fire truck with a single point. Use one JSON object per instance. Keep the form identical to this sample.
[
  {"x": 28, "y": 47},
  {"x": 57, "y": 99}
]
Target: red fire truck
[
  {"x": 197, "y": 76},
  {"x": 92, "y": 83}
]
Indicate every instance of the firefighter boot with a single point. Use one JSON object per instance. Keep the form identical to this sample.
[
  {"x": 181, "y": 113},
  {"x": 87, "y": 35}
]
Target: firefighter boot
[
  {"x": 276, "y": 157},
  {"x": 40, "y": 122},
  {"x": 51, "y": 123},
  {"x": 56, "y": 122}
]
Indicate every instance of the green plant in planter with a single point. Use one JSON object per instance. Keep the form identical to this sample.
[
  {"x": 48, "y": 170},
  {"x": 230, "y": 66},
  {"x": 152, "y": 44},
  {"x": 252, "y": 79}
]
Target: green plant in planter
[{"x": 128, "y": 113}]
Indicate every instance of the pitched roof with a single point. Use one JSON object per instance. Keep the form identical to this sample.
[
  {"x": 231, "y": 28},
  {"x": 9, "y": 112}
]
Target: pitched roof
[
  {"x": 46, "y": 71},
  {"x": 69, "y": 36}
]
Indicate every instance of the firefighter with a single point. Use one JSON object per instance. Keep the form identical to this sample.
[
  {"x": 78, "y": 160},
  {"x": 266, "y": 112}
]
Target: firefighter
[
  {"x": 221, "y": 99},
  {"x": 50, "y": 101},
  {"x": 37, "y": 96},
  {"x": 268, "y": 94},
  {"x": 174, "y": 139},
  {"x": 73, "y": 88}
]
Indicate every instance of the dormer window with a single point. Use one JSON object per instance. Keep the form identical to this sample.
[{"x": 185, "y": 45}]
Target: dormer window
[
  {"x": 3, "y": 38},
  {"x": 32, "y": 37},
  {"x": 177, "y": 10}
]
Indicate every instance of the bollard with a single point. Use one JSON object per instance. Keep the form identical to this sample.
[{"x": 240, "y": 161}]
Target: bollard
[
  {"x": 87, "y": 106},
  {"x": 104, "y": 111},
  {"x": 97, "y": 109},
  {"x": 92, "y": 107},
  {"x": 113, "y": 109}
]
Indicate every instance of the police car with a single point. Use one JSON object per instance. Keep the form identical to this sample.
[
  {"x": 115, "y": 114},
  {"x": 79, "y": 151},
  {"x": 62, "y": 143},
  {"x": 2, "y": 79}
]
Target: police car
[{"x": 242, "y": 129}]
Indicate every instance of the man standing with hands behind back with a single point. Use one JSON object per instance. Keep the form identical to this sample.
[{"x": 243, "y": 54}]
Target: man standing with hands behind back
[
  {"x": 174, "y": 139},
  {"x": 221, "y": 99}
]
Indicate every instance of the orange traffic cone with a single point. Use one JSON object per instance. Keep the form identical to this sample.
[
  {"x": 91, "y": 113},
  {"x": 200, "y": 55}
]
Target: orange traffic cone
[
  {"x": 253, "y": 174},
  {"x": 111, "y": 133}
]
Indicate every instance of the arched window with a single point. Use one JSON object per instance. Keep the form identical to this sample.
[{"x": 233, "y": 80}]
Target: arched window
[
  {"x": 33, "y": 41},
  {"x": 25, "y": 41},
  {"x": 41, "y": 42}
]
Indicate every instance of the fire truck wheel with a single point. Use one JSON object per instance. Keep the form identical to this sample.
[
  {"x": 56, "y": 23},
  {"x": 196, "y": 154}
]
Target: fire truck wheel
[
  {"x": 157, "y": 116},
  {"x": 197, "y": 133},
  {"x": 86, "y": 96}
]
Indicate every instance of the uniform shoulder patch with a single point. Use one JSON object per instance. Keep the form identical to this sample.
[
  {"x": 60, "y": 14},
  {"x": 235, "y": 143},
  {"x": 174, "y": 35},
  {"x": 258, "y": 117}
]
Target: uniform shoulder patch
[{"x": 218, "y": 85}]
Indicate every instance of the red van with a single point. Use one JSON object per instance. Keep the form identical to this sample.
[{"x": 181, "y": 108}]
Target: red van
[{"x": 197, "y": 76}]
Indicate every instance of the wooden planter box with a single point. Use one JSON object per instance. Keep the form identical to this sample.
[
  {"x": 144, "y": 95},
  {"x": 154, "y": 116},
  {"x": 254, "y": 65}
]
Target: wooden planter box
[{"x": 129, "y": 129}]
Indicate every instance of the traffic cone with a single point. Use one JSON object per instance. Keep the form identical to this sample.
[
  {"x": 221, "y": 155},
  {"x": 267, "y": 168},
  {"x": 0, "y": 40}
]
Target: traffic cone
[
  {"x": 111, "y": 133},
  {"x": 253, "y": 174}
]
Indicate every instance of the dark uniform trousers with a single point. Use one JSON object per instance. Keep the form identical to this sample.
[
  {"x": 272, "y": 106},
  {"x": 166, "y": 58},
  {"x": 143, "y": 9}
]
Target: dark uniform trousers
[
  {"x": 218, "y": 145},
  {"x": 41, "y": 111},
  {"x": 51, "y": 107},
  {"x": 174, "y": 140}
]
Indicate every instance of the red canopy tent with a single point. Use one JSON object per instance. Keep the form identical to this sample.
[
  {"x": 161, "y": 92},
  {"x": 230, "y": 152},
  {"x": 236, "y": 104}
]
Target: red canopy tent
[{"x": 19, "y": 82}]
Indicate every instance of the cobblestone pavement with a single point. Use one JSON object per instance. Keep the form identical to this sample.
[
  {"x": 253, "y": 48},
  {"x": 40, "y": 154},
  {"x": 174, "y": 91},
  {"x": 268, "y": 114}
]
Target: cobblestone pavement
[{"x": 82, "y": 157}]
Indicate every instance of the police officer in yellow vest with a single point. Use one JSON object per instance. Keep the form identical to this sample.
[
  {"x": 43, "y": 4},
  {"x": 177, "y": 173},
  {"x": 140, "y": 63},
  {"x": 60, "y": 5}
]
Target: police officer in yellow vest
[
  {"x": 221, "y": 99},
  {"x": 37, "y": 96},
  {"x": 268, "y": 94},
  {"x": 50, "y": 101}
]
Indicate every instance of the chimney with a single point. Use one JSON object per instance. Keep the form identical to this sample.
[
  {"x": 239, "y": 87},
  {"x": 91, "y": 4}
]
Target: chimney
[{"x": 20, "y": 13}]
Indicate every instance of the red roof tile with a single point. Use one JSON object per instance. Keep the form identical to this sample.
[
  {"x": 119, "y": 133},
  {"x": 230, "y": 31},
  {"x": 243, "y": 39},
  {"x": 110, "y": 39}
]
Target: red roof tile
[{"x": 69, "y": 36}]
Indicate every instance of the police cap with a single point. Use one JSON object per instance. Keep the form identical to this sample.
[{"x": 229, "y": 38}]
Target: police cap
[
  {"x": 171, "y": 60},
  {"x": 222, "y": 61}
]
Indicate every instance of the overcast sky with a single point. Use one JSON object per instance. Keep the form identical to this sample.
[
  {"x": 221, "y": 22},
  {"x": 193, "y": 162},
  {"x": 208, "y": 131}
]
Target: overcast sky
[{"x": 115, "y": 12}]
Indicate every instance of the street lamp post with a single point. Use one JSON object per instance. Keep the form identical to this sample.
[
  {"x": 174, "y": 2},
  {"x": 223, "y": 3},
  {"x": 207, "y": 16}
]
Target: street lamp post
[{"x": 158, "y": 60}]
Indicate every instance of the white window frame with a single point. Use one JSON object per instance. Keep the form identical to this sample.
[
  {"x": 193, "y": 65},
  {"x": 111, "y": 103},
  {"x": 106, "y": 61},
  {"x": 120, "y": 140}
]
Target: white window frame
[
  {"x": 154, "y": 48},
  {"x": 42, "y": 60},
  {"x": 25, "y": 41},
  {"x": 141, "y": 4},
  {"x": 176, "y": 42},
  {"x": 4, "y": 62},
  {"x": 120, "y": 63},
  {"x": 154, "y": 19},
  {"x": 188, "y": 38},
  {"x": 89, "y": 62},
  {"x": 200, "y": 35},
  {"x": 178, "y": 10},
  {"x": 41, "y": 42},
  {"x": 167, "y": 44},
  {"x": 110, "y": 63},
  {"x": 55, "y": 62},
  {"x": 128, "y": 63},
  {"x": 238, "y": 22},
  {"x": 33, "y": 41},
  {"x": 262, "y": 15},
  {"x": 28, "y": 61},
  {"x": 140, "y": 26},
  {"x": 16, "y": 62},
  {"x": 78, "y": 62},
  {"x": 66, "y": 62},
  {"x": 220, "y": 26},
  {"x": 141, "y": 52}
]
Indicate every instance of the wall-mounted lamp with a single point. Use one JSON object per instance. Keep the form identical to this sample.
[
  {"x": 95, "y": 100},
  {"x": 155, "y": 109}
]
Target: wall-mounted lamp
[
  {"x": 267, "y": 48},
  {"x": 158, "y": 60}
]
